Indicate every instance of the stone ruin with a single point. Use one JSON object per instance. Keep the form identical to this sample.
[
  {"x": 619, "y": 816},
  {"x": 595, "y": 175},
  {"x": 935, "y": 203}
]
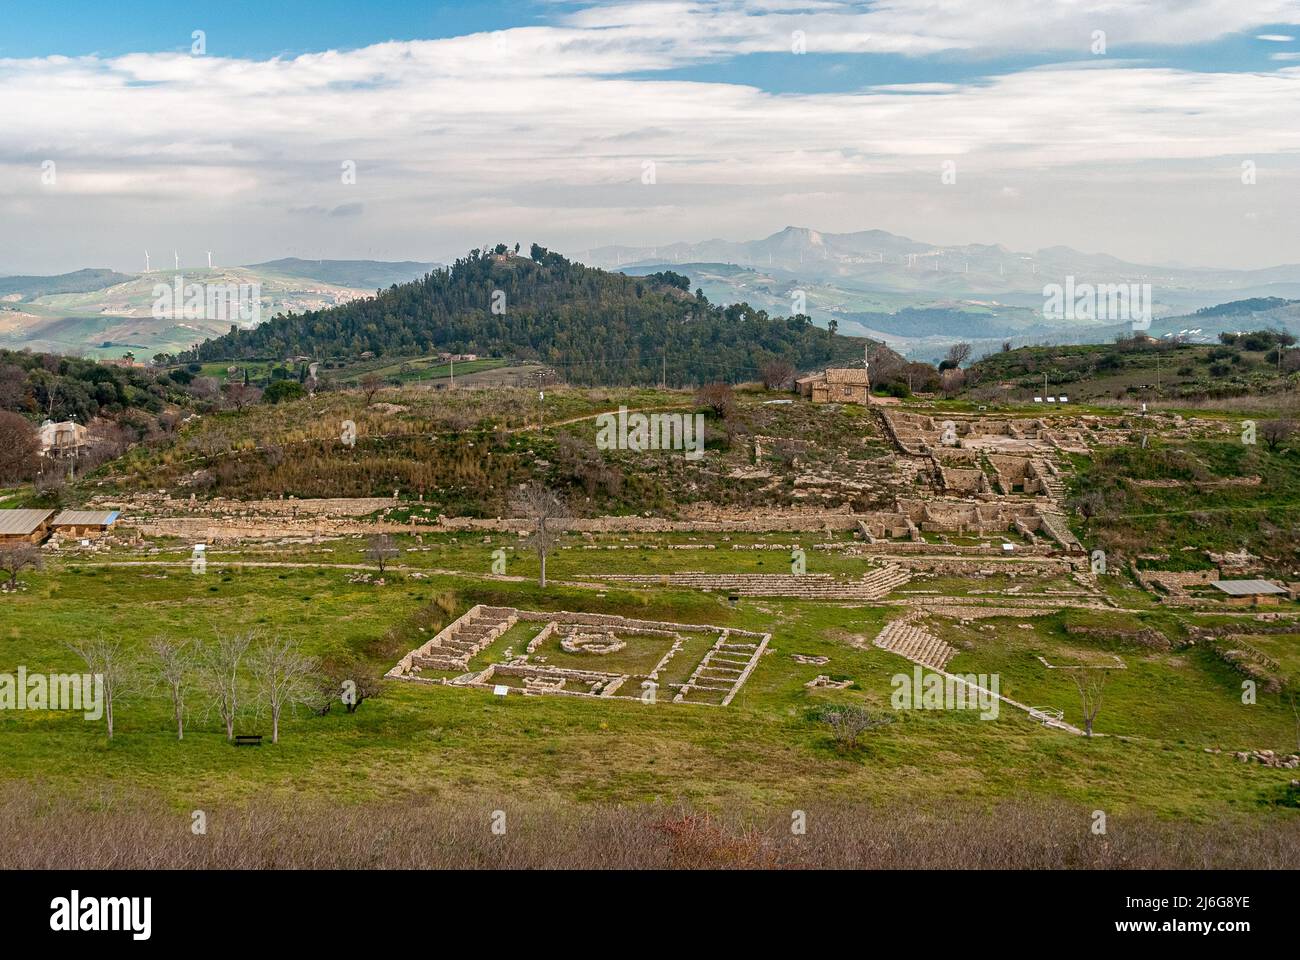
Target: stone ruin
[
  {"x": 715, "y": 680},
  {"x": 596, "y": 643},
  {"x": 823, "y": 682}
]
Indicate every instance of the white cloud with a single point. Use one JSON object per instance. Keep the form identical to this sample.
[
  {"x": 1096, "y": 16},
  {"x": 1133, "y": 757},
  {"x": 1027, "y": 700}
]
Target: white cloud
[{"x": 496, "y": 132}]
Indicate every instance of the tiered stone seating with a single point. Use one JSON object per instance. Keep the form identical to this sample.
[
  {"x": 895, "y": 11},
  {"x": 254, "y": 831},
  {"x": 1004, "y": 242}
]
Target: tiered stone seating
[
  {"x": 914, "y": 642},
  {"x": 464, "y": 639},
  {"x": 719, "y": 672}
]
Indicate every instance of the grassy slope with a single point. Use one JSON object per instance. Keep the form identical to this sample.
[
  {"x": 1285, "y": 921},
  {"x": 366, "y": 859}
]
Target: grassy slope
[
  {"x": 1091, "y": 372},
  {"x": 763, "y": 749}
]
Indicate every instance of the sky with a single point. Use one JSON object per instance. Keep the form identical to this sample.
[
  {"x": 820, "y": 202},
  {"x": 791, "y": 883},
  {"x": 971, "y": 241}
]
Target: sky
[{"x": 1163, "y": 131}]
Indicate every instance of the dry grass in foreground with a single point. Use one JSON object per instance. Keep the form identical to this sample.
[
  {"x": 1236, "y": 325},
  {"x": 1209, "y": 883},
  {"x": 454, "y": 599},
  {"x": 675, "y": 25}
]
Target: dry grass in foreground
[{"x": 43, "y": 831}]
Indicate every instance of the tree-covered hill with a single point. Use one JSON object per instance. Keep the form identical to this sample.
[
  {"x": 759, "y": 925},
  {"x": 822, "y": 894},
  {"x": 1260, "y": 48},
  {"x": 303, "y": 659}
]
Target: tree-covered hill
[{"x": 592, "y": 325}]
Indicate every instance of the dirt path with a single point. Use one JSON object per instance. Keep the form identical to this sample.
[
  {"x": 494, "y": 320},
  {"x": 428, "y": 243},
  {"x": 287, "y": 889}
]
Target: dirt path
[{"x": 318, "y": 565}]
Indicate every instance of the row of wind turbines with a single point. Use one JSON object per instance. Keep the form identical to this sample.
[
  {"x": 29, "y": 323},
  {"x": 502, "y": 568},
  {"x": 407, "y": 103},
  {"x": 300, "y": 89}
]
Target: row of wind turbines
[{"x": 176, "y": 259}]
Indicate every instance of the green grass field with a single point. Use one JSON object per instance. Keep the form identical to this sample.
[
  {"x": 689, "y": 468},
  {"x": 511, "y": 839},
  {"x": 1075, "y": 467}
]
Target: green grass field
[{"x": 765, "y": 748}]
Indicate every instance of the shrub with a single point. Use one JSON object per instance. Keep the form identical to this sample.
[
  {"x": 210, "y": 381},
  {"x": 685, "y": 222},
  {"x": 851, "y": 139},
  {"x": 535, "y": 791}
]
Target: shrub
[
  {"x": 849, "y": 723},
  {"x": 284, "y": 390}
]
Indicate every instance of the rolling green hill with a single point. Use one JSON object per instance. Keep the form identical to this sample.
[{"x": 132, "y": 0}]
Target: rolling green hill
[{"x": 79, "y": 281}]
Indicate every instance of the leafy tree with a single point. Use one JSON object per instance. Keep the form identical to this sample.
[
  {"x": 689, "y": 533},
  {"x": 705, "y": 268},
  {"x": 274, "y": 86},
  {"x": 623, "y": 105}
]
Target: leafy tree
[{"x": 282, "y": 390}]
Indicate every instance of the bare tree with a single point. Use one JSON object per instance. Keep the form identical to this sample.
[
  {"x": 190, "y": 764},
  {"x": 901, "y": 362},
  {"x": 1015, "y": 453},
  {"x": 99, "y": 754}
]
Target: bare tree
[
  {"x": 777, "y": 374},
  {"x": 381, "y": 548},
  {"x": 849, "y": 723},
  {"x": 282, "y": 676},
  {"x": 107, "y": 661},
  {"x": 204, "y": 388},
  {"x": 370, "y": 385},
  {"x": 717, "y": 397},
  {"x": 20, "y": 448},
  {"x": 52, "y": 485},
  {"x": 952, "y": 380},
  {"x": 218, "y": 670},
  {"x": 17, "y": 557},
  {"x": 241, "y": 395},
  {"x": 1091, "y": 685},
  {"x": 1276, "y": 432},
  {"x": 540, "y": 505},
  {"x": 959, "y": 353},
  {"x": 173, "y": 668}
]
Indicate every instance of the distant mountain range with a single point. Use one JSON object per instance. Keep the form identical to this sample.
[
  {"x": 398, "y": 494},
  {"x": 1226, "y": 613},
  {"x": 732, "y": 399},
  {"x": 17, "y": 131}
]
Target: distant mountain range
[{"x": 920, "y": 297}]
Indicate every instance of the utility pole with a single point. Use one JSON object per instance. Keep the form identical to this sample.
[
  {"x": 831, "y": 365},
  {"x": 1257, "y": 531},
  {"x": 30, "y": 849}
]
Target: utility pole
[
  {"x": 663, "y": 380},
  {"x": 453, "y": 373}
]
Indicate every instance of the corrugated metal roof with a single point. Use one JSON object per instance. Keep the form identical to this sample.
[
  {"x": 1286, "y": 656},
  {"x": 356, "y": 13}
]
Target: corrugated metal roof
[
  {"x": 85, "y": 518},
  {"x": 22, "y": 522},
  {"x": 1246, "y": 588}
]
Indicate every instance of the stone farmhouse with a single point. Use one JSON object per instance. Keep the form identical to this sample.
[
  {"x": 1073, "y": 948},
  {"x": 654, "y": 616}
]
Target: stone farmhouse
[{"x": 837, "y": 385}]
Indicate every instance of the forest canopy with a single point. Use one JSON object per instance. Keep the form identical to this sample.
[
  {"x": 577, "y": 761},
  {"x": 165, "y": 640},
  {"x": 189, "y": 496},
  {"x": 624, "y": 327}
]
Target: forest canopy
[{"x": 593, "y": 326}]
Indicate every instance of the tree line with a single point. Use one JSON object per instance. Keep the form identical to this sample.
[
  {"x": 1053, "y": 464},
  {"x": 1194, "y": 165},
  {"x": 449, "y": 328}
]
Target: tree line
[{"x": 232, "y": 676}]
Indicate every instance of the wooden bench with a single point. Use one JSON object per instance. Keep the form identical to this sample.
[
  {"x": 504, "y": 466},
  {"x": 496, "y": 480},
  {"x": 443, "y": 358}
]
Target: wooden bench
[{"x": 248, "y": 739}]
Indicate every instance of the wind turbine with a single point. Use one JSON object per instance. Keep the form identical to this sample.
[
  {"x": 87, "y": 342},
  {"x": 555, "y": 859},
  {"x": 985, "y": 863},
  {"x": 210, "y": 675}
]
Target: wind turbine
[
  {"x": 146, "y": 261},
  {"x": 209, "y": 259},
  {"x": 176, "y": 258}
]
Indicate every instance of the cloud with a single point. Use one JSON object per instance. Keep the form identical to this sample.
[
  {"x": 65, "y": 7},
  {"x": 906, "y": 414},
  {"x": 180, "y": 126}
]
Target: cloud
[{"x": 547, "y": 124}]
